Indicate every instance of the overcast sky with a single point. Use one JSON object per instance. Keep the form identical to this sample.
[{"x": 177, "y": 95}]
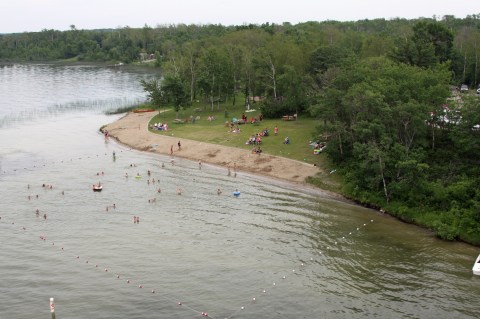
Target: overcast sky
[{"x": 36, "y": 15}]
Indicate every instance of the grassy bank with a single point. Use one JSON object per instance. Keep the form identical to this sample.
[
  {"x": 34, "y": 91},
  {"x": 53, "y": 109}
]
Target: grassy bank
[{"x": 301, "y": 132}]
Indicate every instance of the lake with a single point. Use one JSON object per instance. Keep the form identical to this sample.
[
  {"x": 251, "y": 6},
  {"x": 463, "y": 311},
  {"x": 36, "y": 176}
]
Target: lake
[{"x": 276, "y": 251}]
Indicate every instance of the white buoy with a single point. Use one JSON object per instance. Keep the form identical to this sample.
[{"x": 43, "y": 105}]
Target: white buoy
[{"x": 52, "y": 308}]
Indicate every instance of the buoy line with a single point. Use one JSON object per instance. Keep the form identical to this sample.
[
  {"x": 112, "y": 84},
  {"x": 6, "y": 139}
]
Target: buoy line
[{"x": 178, "y": 301}]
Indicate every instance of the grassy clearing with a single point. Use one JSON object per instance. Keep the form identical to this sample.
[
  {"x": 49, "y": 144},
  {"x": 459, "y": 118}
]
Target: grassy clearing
[{"x": 301, "y": 132}]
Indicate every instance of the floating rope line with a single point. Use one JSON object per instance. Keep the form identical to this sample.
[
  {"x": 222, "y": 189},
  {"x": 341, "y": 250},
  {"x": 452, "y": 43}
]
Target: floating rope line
[
  {"x": 177, "y": 301},
  {"x": 46, "y": 163}
]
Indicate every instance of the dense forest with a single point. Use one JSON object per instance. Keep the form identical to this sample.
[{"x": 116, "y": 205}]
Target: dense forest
[{"x": 385, "y": 94}]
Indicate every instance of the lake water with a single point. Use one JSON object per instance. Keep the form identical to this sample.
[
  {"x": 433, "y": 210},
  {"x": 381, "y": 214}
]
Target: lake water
[{"x": 277, "y": 251}]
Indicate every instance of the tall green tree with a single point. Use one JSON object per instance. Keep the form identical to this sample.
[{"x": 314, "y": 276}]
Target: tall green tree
[
  {"x": 430, "y": 43},
  {"x": 175, "y": 92},
  {"x": 155, "y": 93}
]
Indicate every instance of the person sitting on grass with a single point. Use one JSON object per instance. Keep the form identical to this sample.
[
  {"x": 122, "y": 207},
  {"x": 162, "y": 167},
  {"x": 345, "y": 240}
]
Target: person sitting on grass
[{"x": 286, "y": 141}]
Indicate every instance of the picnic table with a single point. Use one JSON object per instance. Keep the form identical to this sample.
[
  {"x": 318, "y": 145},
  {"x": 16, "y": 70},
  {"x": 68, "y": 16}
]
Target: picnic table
[{"x": 289, "y": 117}]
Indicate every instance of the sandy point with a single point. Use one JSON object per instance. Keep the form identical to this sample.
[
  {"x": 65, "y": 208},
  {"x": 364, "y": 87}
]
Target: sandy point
[{"x": 132, "y": 130}]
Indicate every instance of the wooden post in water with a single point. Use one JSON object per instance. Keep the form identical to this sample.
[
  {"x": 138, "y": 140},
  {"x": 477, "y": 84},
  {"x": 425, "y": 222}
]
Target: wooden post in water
[{"x": 52, "y": 308}]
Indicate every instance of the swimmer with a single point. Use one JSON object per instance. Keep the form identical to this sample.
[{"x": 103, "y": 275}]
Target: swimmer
[
  {"x": 199, "y": 164},
  {"x": 126, "y": 175},
  {"x": 219, "y": 191},
  {"x": 149, "y": 173},
  {"x": 159, "y": 190},
  {"x": 179, "y": 191},
  {"x": 44, "y": 216},
  {"x": 163, "y": 165}
]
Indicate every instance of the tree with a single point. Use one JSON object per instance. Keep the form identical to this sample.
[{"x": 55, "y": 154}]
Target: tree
[
  {"x": 155, "y": 93},
  {"x": 430, "y": 43},
  {"x": 175, "y": 92},
  {"x": 376, "y": 115}
]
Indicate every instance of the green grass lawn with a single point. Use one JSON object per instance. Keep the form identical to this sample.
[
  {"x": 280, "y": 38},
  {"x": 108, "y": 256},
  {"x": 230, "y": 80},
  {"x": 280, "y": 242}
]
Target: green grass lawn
[{"x": 301, "y": 132}]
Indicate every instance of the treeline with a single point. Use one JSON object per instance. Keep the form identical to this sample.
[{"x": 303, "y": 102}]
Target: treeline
[{"x": 403, "y": 138}]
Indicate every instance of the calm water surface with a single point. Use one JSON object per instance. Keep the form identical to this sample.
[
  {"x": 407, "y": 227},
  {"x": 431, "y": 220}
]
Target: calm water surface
[{"x": 212, "y": 253}]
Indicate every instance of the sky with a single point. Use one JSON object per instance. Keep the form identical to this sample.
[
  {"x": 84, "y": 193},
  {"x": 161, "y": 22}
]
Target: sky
[{"x": 36, "y": 15}]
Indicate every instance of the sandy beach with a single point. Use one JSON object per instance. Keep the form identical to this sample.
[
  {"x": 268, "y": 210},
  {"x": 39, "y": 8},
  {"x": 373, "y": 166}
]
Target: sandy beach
[{"x": 132, "y": 130}]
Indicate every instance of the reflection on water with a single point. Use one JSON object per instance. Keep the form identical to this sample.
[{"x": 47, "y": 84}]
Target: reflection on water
[{"x": 211, "y": 253}]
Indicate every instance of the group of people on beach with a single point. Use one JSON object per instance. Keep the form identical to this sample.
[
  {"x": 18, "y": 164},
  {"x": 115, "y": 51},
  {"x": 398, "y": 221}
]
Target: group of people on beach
[{"x": 160, "y": 126}]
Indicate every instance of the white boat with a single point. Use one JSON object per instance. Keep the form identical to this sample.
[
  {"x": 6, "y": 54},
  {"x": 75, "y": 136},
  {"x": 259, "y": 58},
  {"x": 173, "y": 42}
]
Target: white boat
[
  {"x": 97, "y": 188},
  {"x": 476, "y": 266}
]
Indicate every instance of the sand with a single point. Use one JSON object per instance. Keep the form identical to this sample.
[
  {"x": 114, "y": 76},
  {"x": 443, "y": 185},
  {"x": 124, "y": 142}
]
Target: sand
[{"x": 132, "y": 130}]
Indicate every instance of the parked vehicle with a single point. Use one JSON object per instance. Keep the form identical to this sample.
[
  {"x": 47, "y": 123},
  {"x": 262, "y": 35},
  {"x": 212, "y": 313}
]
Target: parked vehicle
[{"x": 463, "y": 88}]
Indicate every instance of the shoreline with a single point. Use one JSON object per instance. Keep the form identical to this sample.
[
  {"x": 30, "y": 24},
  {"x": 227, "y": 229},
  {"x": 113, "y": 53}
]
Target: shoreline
[{"x": 132, "y": 130}]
